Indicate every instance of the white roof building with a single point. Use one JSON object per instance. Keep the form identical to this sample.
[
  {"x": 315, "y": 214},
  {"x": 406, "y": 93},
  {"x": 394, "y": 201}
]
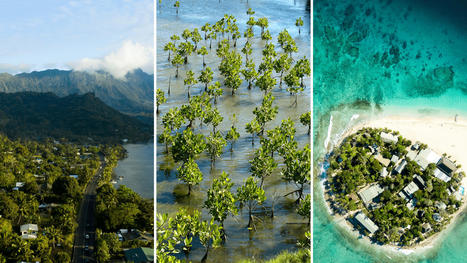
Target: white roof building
[
  {"x": 383, "y": 172},
  {"x": 29, "y": 231},
  {"x": 388, "y": 137},
  {"x": 411, "y": 188},
  {"x": 401, "y": 166},
  {"x": 366, "y": 222},
  {"x": 425, "y": 157},
  {"x": 441, "y": 176},
  {"x": 367, "y": 195},
  {"x": 394, "y": 158}
]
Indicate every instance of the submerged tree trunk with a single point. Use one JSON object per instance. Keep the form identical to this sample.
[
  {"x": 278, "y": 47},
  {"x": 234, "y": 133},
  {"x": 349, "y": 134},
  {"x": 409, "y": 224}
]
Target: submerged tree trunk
[
  {"x": 205, "y": 257},
  {"x": 223, "y": 237},
  {"x": 280, "y": 81},
  {"x": 250, "y": 218},
  {"x": 168, "y": 92}
]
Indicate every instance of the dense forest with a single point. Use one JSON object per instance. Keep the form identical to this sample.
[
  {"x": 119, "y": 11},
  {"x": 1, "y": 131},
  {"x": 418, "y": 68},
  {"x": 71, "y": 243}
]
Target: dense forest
[{"x": 81, "y": 118}]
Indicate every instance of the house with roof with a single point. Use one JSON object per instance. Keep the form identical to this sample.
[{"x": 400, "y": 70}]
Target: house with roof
[
  {"x": 411, "y": 204},
  {"x": 140, "y": 254},
  {"x": 28, "y": 231},
  {"x": 394, "y": 158},
  {"x": 411, "y": 188},
  {"x": 440, "y": 205},
  {"x": 408, "y": 191},
  {"x": 419, "y": 181},
  {"x": 366, "y": 222},
  {"x": 425, "y": 157},
  {"x": 401, "y": 166},
  {"x": 441, "y": 175},
  {"x": 383, "y": 172},
  {"x": 388, "y": 137},
  {"x": 426, "y": 228},
  {"x": 437, "y": 217},
  {"x": 385, "y": 162},
  {"x": 368, "y": 194},
  {"x": 446, "y": 166}
]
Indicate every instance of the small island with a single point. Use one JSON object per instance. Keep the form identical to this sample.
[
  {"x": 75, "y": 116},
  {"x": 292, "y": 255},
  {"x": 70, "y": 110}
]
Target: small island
[{"x": 392, "y": 190}]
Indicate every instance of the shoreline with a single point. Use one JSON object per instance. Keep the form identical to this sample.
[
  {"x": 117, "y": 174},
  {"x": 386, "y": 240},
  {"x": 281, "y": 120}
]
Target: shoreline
[{"x": 442, "y": 135}]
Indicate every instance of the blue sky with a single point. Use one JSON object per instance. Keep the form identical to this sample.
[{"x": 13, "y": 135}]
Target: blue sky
[{"x": 84, "y": 34}]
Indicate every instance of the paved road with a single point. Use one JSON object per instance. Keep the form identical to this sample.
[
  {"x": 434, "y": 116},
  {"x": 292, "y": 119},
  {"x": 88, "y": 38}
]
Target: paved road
[{"x": 87, "y": 222}]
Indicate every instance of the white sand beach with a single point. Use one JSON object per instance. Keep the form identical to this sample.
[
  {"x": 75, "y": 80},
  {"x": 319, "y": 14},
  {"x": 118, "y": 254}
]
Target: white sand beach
[{"x": 442, "y": 135}]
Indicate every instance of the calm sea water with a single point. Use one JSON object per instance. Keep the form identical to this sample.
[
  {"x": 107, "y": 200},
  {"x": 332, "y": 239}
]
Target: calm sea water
[
  {"x": 405, "y": 57},
  {"x": 138, "y": 169}
]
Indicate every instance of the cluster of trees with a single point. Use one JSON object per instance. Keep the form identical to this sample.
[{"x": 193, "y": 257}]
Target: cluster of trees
[
  {"x": 120, "y": 208},
  {"x": 185, "y": 141},
  {"x": 231, "y": 67},
  {"x": 352, "y": 166},
  {"x": 44, "y": 168}
]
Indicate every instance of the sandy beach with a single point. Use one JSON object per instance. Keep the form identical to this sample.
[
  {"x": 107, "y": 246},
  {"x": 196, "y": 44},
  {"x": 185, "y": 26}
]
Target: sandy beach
[{"x": 441, "y": 134}]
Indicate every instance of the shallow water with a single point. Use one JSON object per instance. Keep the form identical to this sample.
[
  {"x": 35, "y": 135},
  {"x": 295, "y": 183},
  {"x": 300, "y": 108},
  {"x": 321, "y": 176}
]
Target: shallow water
[
  {"x": 418, "y": 38},
  {"x": 138, "y": 169},
  {"x": 272, "y": 236}
]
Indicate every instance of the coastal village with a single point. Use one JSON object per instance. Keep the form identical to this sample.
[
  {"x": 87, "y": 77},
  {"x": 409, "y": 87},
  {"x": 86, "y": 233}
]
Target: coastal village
[{"x": 392, "y": 190}]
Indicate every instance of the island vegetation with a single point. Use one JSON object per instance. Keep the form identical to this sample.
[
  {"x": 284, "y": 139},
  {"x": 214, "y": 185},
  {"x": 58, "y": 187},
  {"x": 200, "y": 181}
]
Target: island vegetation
[{"x": 394, "y": 191}]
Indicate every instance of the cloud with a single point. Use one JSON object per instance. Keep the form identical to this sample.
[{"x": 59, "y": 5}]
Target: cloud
[{"x": 130, "y": 56}]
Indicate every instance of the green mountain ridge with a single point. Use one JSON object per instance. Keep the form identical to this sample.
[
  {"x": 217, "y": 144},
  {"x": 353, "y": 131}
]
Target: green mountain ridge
[
  {"x": 131, "y": 95},
  {"x": 83, "y": 118}
]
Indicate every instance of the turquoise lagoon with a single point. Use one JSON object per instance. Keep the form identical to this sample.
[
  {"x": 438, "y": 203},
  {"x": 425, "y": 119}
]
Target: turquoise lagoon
[{"x": 384, "y": 58}]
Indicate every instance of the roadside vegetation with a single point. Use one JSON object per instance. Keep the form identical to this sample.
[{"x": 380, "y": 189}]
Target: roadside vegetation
[{"x": 42, "y": 184}]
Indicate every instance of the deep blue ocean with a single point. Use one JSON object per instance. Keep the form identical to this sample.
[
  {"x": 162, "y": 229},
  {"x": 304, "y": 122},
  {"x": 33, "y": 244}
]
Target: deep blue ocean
[{"x": 390, "y": 57}]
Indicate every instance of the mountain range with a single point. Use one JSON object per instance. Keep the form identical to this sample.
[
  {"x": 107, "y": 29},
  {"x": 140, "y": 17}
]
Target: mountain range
[{"x": 132, "y": 95}]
